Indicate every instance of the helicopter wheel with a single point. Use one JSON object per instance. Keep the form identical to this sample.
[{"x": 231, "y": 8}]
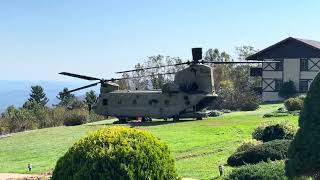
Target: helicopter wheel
[
  {"x": 175, "y": 119},
  {"x": 122, "y": 120},
  {"x": 199, "y": 118}
]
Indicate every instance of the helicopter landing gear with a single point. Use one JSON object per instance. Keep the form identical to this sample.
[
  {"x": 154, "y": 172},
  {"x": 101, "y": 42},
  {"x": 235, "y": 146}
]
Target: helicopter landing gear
[
  {"x": 176, "y": 119},
  {"x": 122, "y": 120},
  {"x": 199, "y": 118}
]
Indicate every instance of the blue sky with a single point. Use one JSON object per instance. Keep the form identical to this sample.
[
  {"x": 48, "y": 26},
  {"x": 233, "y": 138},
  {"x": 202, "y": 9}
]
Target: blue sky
[{"x": 39, "y": 38}]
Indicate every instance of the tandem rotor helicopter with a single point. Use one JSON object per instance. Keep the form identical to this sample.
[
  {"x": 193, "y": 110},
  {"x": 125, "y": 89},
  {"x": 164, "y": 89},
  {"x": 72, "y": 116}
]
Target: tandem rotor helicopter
[{"x": 188, "y": 96}]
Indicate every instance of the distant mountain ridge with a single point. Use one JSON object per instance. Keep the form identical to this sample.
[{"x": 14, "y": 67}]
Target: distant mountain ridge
[{"x": 17, "y": 92}]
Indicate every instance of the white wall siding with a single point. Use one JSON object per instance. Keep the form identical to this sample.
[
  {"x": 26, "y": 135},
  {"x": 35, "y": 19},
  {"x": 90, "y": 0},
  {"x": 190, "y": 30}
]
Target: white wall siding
[
  {"x": 270, "y": 96},
  {"x": 308, "y": 74},
  {"x": 272, "y": 74},
  {"x": 291, "y": 71}
]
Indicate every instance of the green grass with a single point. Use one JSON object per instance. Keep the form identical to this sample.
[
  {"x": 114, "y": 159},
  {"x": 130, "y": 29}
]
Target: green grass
[{"x": 198, "y": 146}]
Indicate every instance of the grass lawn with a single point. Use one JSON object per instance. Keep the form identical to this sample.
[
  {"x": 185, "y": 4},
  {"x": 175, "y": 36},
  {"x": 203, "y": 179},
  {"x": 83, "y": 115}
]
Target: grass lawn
[{"x": 198, "y": 146}]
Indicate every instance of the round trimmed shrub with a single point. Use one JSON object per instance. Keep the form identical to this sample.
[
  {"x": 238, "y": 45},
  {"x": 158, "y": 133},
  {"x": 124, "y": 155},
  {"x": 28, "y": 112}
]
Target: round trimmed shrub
[
  {"x": 117, "y": 153},
  {"x": 278, "y": 131},
  {"x": 272, "y": 150},
  {"x": 294, "y": 104},
  {"x": 248, "y": 144},
  {"x": 257, "y": 132},
  {"x": 271, "y": 132},
  {"x": 262, "y": 171}
]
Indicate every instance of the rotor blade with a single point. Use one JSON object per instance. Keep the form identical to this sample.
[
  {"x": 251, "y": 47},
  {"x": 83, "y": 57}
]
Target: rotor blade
[
  {"x": 236, "y": 62},
  {"x": 141, "y": 76},
  {"x": 84, "y": 87},
  {"x": 141, "y": 69},
  {"x": 80, "y": 76}
]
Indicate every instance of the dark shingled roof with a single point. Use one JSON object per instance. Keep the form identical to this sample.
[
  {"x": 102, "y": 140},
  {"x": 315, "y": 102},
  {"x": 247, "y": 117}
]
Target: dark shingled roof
[{"x": 289, "y": 48}]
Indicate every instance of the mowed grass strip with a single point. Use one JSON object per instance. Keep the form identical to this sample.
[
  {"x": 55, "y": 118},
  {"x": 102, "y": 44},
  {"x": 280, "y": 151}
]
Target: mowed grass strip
[{"x": 198, "y": 146}]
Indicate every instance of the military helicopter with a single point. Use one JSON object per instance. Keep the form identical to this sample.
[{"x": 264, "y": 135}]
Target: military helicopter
[{"x": 188, "y": 96}]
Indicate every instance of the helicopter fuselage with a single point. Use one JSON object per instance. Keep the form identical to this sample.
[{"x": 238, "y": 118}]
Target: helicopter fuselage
[
  {"x": 153, "y": 104},
  {"x": 191, "y": 92}
]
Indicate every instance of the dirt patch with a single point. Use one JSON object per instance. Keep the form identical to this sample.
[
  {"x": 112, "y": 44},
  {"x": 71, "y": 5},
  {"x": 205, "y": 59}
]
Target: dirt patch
[{"x": 14, "y": 176}]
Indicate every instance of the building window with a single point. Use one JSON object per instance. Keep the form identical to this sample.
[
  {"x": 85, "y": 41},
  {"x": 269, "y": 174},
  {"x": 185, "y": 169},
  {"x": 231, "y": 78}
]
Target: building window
[
  {"x": 303, "y": 85},
  {"x": 304, "y": 64},
  {"x": 279, "y": 65},
  {"x": 105, "y": 102},
  {"x": 277, "y": 84}
]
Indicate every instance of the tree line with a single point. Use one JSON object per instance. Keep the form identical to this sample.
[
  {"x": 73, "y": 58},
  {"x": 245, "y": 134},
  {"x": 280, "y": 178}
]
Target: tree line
[{"x": 35, "y": 112}]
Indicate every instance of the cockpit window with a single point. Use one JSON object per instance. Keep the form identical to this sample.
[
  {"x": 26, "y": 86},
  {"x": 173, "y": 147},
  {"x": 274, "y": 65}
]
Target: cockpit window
[{"x": 105, "y": 102}]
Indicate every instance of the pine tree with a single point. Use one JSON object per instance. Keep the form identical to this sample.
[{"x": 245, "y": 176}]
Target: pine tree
[
  {"x": 90, "y": 99},
  {"x": 303, "y": 154},
  {"x": 37, "y": 95},
  {"x": 65, "y": 98}
]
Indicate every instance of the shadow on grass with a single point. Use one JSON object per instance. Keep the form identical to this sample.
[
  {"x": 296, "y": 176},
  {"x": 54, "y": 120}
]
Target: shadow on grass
[
  {"x": 156, "y": 123},
  {"x": 137, "y": 124}
]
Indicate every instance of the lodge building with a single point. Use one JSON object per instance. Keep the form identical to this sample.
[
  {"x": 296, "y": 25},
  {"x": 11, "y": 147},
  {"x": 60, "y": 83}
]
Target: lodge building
[{"x": 299, "y": 61}]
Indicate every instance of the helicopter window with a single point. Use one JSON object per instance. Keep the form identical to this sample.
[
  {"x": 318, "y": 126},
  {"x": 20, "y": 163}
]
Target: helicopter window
[
  {"x": 166, "y": 102},
  {"x": 134, "y": 101},
  {"x": 153, "y": 101},
  {"x": 105, "y": 102}
]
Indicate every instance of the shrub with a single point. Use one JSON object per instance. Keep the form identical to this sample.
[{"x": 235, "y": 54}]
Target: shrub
[
  {"x": 117, "y": 153},
  {"x": 77, "y": 104},
  {"x": 304, "y": 156},
  {"x": 293, "y": 104},
  {"x": 248, "y": 144},
  {"x": 287, "y": 90},
  {"x": 4, "y": 126},
  {"x": 281, "y": 110},
  {"x": 273, "y": 150},
  {"x": 275, "y": 114},
  {"x": 283, "y": 130},
  {"x": 278, "y": 131},
  {"x": 75, "y": 117},
  {"x": 56, "y": 116},
  {"x": 96, "y": 117},
  {"x": 261, "y": 171},
  {"x": 257, "y": 133},
  {"x": 215, "y": 113}
]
